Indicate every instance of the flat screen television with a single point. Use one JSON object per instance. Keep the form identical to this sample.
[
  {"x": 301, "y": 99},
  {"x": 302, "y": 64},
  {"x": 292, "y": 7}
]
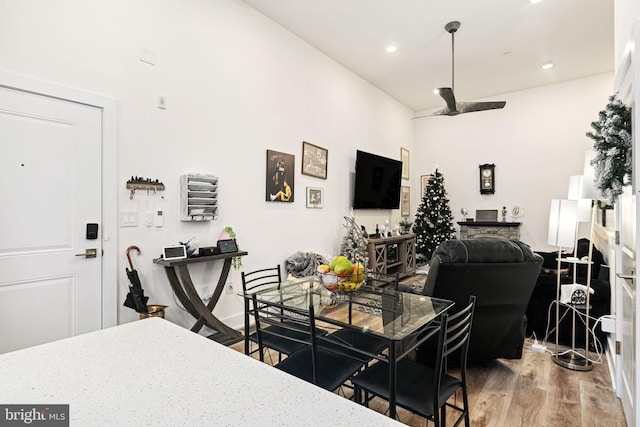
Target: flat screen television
[{"x": 377, "y": 183}]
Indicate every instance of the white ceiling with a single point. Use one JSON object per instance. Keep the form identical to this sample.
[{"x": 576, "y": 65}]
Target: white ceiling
[{"x": 499, "y": 48}]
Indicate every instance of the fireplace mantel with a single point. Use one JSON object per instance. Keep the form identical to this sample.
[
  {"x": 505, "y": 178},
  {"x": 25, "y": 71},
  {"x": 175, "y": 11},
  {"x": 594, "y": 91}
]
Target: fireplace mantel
[{"x": 491, "y": 229}]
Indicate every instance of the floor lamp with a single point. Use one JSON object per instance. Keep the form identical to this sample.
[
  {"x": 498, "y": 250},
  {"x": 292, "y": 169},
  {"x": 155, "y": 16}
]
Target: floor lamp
[
  {"x": 572, "y": 359},
  {"x": 590, "y": 193},
  {"x": 563, "y": 220}
]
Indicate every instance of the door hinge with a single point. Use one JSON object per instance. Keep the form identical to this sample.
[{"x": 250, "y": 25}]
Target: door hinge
[
  {"x": 617, "y": 237},
  {"x": 618, "y": 347}
]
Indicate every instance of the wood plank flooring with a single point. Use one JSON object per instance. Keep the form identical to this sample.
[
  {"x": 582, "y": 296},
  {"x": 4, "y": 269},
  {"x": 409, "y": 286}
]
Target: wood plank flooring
[{"x": 532, "y": 391}]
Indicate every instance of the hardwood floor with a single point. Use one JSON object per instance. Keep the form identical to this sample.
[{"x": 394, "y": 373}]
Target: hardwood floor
[{"x": 532, "y": 391}]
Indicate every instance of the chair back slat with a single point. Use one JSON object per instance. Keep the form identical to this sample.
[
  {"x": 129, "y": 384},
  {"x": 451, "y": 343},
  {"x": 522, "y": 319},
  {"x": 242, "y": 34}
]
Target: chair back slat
[
  {"x": 454, "y": 334},
  {"x": 287, "y": 319},
  {"x": 260, "y": 279},
  {"x": 252, "y": 282}
]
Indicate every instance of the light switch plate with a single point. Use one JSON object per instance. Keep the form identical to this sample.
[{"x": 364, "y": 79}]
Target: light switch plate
[{"x": 128, "y": 218}]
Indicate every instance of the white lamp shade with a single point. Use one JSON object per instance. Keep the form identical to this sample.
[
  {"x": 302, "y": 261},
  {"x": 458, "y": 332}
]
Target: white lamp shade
[
  {"x": 563, "y": 218},
  {"x": 589, "y": 190},
  {"x": 576, "y": 183}
]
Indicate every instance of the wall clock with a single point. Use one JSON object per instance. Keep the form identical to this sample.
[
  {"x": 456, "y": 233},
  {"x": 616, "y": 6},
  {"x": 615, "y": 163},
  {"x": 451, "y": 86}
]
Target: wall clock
[{"x": 487, "y": 178}]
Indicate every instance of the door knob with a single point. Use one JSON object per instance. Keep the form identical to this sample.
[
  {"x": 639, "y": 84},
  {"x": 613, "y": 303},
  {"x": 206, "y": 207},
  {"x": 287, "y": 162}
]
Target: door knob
[
  {"x": 89, "y": 253},
  {"x": 626, "y": 276}
]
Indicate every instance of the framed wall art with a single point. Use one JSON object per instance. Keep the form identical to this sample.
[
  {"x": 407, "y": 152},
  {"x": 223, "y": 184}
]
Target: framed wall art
[
  {"x": 314, "y": 160},
  {"x": 315, "y": 197},
  {"x": 405, "y": 197},
  {"x": 424, "y": 183},
  {"x": 404, "y": 156},
  {"x": 280, "y": 177}
]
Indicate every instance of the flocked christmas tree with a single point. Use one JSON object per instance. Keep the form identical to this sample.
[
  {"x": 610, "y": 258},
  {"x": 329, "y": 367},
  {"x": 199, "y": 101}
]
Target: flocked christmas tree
[
  {"x": 612, "y": 136},
  {"x": 433, "y": 224},
  {"x": 354, "y": 244}
]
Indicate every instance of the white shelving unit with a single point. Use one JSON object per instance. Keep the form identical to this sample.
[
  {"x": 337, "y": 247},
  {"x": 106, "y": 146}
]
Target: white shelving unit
[{"x": 198, "y": 197}]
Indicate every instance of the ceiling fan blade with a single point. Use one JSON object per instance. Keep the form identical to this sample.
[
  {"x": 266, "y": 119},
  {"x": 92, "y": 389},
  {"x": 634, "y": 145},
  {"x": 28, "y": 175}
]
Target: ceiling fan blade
[
  {"x": 466, "y": 107},
  {"x": 470, "y": 107},
  {"x": 447, "y": 94}
]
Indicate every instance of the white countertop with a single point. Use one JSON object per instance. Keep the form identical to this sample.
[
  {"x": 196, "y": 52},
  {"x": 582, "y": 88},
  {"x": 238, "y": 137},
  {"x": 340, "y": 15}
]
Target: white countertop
[{"x": 152, "y": 372}]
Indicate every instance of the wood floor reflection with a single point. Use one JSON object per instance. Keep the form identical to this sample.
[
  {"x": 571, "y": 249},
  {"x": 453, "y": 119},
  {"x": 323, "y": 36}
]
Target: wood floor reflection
[{"x": 532, "y": 391}]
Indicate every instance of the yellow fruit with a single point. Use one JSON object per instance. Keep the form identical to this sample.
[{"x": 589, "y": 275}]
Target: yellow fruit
[
  {"x": 348, "y": 286},
  {"x": 358, "y": 273},
  {"x": 336, "y": 260},
  {"x": 324, "y": 268}
]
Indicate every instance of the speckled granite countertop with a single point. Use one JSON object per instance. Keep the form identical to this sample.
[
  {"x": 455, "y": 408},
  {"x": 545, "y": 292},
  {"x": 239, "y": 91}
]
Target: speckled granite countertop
[{"x": 152, "y": 372}]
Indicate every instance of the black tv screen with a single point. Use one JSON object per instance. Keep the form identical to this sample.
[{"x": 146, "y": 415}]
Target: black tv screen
[{"x": 377, "y": 182}]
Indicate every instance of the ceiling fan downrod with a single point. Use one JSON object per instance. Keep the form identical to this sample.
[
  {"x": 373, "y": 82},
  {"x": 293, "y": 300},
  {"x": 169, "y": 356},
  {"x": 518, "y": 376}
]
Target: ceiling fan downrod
[{"x": 451, "y": 28}]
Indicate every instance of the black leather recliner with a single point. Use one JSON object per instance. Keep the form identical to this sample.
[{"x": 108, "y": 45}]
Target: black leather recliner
[{"x": 502, "y": 275}]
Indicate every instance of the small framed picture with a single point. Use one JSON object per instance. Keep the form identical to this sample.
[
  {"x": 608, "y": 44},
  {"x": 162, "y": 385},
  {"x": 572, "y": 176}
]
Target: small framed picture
[
  {"x": 405, "y": 197},
  {"x": 314, "y": 160},
  {"x": 424, "y": 183},
  {"x": 315, "y": 197},
  {"x": 404, "y": 156}
]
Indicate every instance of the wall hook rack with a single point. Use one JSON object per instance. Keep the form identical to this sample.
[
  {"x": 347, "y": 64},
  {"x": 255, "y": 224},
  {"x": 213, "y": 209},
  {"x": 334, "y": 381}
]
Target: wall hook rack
[{"x": 138, "y": 183}]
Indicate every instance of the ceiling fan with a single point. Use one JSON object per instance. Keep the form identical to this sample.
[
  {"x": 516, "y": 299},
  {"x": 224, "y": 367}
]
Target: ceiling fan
[{"x": 454, "y": 108}]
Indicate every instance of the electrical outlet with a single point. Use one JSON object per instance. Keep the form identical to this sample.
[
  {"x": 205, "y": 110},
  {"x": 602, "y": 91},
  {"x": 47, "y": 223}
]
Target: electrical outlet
[{"x": 229, "y": 288}]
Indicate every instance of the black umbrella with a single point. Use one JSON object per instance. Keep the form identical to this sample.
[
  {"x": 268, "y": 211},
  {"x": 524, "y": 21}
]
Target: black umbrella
[{"x": 135, "y": 298}]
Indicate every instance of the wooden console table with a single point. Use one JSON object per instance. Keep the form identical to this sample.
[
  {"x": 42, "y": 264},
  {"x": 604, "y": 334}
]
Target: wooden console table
[
  {"x": 491, "y": 229},
  {"x": 180, "y": 280},
  {"x": 393, "y": 254}
]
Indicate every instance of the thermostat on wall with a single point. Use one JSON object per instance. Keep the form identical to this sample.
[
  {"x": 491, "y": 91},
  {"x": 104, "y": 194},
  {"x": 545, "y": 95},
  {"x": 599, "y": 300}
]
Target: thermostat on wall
[{"x": 174, "y": 252}]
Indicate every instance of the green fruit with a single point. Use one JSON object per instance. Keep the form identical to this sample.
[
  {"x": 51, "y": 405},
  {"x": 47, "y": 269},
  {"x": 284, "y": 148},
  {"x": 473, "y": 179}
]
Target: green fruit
[
  {"x": 336, "y": 260},
  {"x": 343, "y": 266}
]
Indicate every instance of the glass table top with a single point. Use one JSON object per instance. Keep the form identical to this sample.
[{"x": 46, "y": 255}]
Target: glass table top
[{"x": 383, "y": 312}]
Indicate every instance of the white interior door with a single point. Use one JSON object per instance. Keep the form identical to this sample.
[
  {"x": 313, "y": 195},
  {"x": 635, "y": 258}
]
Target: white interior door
[
  {"x": 50, "y": 172},
  {"x": 627, "y": 262}
]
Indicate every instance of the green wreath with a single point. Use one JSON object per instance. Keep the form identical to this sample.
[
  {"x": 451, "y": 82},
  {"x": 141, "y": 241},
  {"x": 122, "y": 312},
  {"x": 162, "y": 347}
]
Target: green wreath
[{"x": 612, "y": 136}]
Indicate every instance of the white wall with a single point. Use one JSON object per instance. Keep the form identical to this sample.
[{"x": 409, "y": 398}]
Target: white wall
[
  {"x": 536, "y": 142},
  {"x": 626, "y": 12},
  {"x": 237, "y": 85}
]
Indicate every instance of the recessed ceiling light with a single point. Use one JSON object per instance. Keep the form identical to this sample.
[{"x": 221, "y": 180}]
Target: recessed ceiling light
[
  {"x": 392, "y": 48},
  {"x": 547, "y": 65},
  {"x": 534, "y": 1},
  {"x": 436, "y": 92}
]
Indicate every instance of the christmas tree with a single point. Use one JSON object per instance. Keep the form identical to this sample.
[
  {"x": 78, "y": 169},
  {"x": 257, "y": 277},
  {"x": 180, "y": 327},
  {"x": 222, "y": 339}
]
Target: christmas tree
[
  {"x": 433, "y": 223},
  {"x": 612, "y": 136},
  {"x": 354, "y": 244}
]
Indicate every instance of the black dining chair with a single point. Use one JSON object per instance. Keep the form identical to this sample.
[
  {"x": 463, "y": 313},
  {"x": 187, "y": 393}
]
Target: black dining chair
[
  {"x": 319, "y": 365},
  {"x": 422, "y": 389},
  {"x": 256, "y": 281},
  {"x": 361, "y": 345}
]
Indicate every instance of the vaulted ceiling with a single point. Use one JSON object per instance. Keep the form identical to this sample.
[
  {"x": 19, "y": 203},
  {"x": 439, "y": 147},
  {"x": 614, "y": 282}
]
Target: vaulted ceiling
[{"x": 499, "y": 48}]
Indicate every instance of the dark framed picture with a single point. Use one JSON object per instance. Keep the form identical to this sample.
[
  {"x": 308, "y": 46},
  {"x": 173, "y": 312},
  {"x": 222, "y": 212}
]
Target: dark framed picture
[
  {"x": 490, "y": 215},
  {"x": 404, "y": 156},
  {"x": 314, "y": 160},
  {"x": 227, "y": 246},
  {"x": 315, "y": 197},
  {"x": 424, "y": 183},
  {"x": 487, "y": 178},
  {"x": 280, "y": 177},
  {"x": 405, "y": 197}
]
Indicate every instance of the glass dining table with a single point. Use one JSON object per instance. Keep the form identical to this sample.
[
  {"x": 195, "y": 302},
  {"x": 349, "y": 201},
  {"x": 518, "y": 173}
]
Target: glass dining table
[{"x": 403, "y": 319}]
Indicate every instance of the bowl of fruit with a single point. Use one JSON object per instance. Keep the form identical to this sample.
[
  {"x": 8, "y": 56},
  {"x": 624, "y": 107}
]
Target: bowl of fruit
[{"x": 341, "y": 275}]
